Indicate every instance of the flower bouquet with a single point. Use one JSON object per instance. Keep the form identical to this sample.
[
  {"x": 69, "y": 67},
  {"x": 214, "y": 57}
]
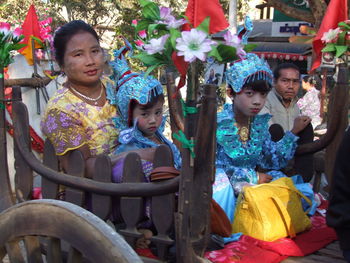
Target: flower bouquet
[
  {"x": 164, "y": 40},
  {"x": 337, "y": 40},
  {"x": 9, "y": 41}
]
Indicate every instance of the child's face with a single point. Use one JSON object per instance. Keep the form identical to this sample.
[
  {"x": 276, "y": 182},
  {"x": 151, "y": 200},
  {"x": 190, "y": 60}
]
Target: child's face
[
  {"x": 149, "y": 119},
  {"x": 250, "y": 102}
]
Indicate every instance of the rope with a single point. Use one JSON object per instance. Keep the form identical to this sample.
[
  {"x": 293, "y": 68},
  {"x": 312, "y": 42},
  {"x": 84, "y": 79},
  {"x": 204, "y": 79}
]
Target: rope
[
  {"x": 187, "y": 110},
  {"x": 188, "y": 144}
]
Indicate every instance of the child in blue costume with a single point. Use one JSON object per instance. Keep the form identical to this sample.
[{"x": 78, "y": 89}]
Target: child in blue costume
[
  {"x": 243, "y": 138},
  {"x": 139, "y": 101}
]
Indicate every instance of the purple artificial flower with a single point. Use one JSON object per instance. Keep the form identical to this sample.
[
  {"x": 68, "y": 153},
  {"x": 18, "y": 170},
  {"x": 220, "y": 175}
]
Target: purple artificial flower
[
  {"x": 156, "y": 45},
  {"x": 168, "y": 19},
  {"x": 234, "y": 41},
  {"x": 194, "y": 44}
]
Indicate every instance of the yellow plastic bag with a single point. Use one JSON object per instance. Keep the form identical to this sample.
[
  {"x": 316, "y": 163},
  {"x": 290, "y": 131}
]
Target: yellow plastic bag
[{"x": 271, "y": 211}]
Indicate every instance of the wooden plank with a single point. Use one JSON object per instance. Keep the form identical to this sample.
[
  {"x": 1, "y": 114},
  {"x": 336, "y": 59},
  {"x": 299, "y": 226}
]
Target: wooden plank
[
  {"x": 76, "y": 167},
  {"x": 101, "y": 204},
  {"x": 14, "y": 251},
  {"x": 163, "y": 207},
  {"x": 33, "y": 249},
  {"x": 74, "y": 256},
  {"x": 24, "y": 173},
  {"x": 54, "y": 254},
  {"x": 49, "y": 188},
  {"x": 132, "y": 208}
]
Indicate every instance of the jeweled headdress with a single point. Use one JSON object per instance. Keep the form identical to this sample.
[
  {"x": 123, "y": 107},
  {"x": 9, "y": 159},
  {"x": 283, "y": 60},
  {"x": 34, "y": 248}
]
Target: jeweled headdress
[
  {"x": 249, "y": 68},
  {"x": 131, "y": 85}
]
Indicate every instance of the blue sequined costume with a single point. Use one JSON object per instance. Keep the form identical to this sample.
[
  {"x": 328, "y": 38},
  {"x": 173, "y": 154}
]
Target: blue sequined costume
[
  {"x": 141, "y": 88},
  {"x": 239, "y": 160},
  {"x": 236, "y": 162}
]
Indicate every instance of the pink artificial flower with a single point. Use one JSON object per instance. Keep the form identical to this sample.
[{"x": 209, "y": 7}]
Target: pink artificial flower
[
  {"x": 168, "y": 19},
  {"x": 39, "y": 53},
  {"x": 156, "y": 45},
  {"x": 143, "y": 34},
  {"x": 17, "y": 33},
  {"x": 165, "y": 13},
  {"x": 331, "y": 36},
  {"x": 4, "y": 28},
  {"x": 134, "y": 22},
  {"x": 234, "y": 41},
  {"x": 139, "y": 43}
]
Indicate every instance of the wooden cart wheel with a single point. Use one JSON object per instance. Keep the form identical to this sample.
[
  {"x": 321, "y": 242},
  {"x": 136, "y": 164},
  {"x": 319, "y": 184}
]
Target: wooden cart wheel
[{"x": 26, "y": 226}]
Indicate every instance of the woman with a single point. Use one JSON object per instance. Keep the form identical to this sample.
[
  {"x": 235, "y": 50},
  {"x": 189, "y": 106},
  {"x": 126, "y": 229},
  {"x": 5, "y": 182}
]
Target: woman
[
  {"x": 310, "y": 104},
  {"x": 243, "y": 139},
  {"x": 78, "y": 116}
]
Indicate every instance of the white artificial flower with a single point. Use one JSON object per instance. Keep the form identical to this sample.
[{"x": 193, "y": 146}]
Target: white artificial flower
[
  {"x": 193, "y": 44},
  {"x": 331, "y": 35},
  {"x": 156, "y": 45}
]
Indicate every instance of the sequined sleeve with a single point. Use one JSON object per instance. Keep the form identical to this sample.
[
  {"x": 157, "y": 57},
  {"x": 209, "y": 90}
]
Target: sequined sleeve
[
  {"x": 277, "y": 154},
  {"x": 63, "y": 131},
  {"x": 235, "y": 174}
]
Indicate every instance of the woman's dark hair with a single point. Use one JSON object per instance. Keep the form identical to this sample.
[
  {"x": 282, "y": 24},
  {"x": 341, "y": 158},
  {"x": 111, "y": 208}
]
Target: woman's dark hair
[
  {"x": 65, "y": 33},
  {"x": 313, "y": 80},
  {"x": 153, "y": 101},
  {"x": 256, "y": 85}
]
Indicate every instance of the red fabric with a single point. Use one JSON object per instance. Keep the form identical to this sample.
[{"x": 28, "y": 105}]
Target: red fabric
[
  {"x": 249, "y": 250},
  {"x": 182, "y": 67},
  {"x": 336, "y": 12},
  {"x": 36, "y": 141},
  {"x": 198, "y": 10},
  {"x": 30, "y": 28}
]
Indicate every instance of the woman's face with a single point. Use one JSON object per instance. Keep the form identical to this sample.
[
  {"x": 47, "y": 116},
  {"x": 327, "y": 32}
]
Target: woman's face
[
  {"x": 249, "y": 102},
  {"x": 83, "y": 60}
]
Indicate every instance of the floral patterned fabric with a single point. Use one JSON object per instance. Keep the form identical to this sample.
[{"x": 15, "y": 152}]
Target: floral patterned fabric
[
  {"x": 310, "y": 106},
  {"x": 70, "y": 123}
]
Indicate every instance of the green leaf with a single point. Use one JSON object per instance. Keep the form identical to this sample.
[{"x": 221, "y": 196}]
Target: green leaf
[
  {"x": 151, "y": 11},
  {"x": 249, "y": 47},
  {"x": 38, "y": 40},
  {"x": 341, "y": 38},
  {"x": 344, "y": 25},
  {"x": 151, "y": 68},
  {"x": 153, "y": 27},
  {"x": 227, "y": 53},
  {"x": 143, "y": 3},
  {"x": 18, "y": 46},
  {"x": 215, "y": 53},
  {"x": 340, "y": 50},
  {"x": 174, "y": 34},
  {"x": 330, "y": 47},
  {"x": 142, "y": 25},
  {"x": 148, "y": 60},
  {"x": 204, "y": 26}
]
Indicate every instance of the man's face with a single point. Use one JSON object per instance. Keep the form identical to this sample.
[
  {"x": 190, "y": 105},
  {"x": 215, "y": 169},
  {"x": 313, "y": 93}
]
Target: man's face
[{"x": 288, "y": 83}]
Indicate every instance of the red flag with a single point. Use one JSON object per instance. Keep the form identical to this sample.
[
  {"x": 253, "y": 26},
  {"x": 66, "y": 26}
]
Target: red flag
[
  {"x": 30, "y": 28},
  {"x": 198, "y": 10},
  {"x": 336, "y": 12}
]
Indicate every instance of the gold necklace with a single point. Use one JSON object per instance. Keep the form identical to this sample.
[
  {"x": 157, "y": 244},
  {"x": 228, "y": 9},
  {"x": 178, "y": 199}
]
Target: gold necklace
[{"x": 243, "y": 132}]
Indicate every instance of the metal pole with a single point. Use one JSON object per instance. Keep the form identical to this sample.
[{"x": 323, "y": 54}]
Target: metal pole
[{"x": 233, "y": 16}]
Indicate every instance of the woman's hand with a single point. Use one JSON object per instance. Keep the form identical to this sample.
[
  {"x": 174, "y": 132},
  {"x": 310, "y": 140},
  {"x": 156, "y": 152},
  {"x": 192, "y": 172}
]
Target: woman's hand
[
  {"x": 300, "y": 123},
  {"x": 264, "y": 178}
]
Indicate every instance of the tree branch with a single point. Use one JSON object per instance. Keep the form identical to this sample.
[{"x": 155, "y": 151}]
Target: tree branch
[
  {"x": 292, "y": 11},
  {"x": 318, "y": 9}
]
